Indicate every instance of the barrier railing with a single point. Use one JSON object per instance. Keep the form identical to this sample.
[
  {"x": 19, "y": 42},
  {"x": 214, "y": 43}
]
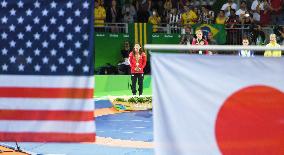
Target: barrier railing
[
  {"x": 234, "y": 35},
  {"x": 111, "y": 27},
  {"x": 209, "y": 47}
]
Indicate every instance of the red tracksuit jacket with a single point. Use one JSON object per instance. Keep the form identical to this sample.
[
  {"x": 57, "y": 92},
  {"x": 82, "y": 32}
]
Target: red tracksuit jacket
[{"x": 142, "y": 62}]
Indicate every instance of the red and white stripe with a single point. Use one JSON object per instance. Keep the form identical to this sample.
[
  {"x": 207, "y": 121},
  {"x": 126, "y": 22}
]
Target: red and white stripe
[{"x": 47, "y": 108}]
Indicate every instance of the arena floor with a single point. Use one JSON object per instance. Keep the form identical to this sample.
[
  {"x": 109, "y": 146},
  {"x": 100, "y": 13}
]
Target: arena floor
[{"x": 119, "y": 133}]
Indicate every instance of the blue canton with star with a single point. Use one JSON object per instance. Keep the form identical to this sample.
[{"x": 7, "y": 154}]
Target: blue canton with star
[{"x": 39, "y": 37}]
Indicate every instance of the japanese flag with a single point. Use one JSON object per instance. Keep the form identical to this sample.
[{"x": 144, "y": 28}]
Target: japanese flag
[{"x": 212, "y": 105}]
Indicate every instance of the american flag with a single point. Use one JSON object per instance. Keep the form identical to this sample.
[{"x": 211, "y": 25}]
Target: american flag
[{"x": 46, "y": 71}]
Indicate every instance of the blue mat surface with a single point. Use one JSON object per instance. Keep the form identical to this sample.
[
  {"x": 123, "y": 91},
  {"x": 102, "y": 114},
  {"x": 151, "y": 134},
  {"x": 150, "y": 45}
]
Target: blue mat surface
[
  {"x": 102, "y": 104},
  {"x": 79, "y": 149},
  {"x": 137, "y": 125}
]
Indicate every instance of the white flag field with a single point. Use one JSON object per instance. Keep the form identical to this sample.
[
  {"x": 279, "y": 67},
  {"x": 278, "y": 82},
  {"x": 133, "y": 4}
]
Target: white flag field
[{"x": 213, "y": 105}]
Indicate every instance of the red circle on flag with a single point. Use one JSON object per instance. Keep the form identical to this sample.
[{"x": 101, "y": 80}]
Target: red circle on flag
[{"x": 251, "y": 121}]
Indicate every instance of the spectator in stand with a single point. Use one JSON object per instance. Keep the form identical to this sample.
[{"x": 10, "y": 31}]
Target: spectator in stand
[
  {"x": 233, "y": 32},
  {"x": 211, "y": 41},
  {"x": 124, "y": 66},
  {"x": 185, "y": 2},
  {"x": 148, "y": 5},
  {"x": 125, "y": 51},
  {"x": 281, "y": 35},
  {"x": 272, "y": 43},
  {"x": 206, "y": 16},
  {"x": 189, "y": 16},
  {"x": 155, "y": 20},
  {"x": 200, "y": 40},
  {"x": 174, "y": 19},
  {"x": 246, "y": 19},
  {"x": 187, "y": 36},
  {"x": 249, "y": 2},
  {"x": 168, "y": 6},
  {"x": 243, "y": 9},
  {"x": 197, "y": 3},
  {"x": 99, "y": 15},
  {"x": 279, "y": 31},
  {"x": 265, "y": 15},
  {"x": 142, "y": 12},
  {"x": 258, "y": 36},
  {"x": 227, "y": 7},
  {"x": 197, "y": 10},
  {"x": 106, "y": 3},
  {"x": 102, "y": 3},
  {"x": 113, "y": 15},
  {"x": 128, "y": 18},
  {"x": 221, "y": 18},
  {"x": 159, "y": 7},
  {"x": 212, "y": 13},
  {"x": 246, "y": 53},
  {"x": 128, "y": 12},
  {"x": 276, "y": 11},
  {"x": 210, "y": 2},
  {"x": 247, "y": 22},
  {"x": 174, "y": 3},
  {"x": 182, "y": 3},
  {"x": 257, "y": 6}
]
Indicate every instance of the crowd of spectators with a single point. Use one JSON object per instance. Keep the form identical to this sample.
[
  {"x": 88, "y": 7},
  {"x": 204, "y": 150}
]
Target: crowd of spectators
[
  {"x": 250, "y": 15},
  {"x": 263, "y": 12}
]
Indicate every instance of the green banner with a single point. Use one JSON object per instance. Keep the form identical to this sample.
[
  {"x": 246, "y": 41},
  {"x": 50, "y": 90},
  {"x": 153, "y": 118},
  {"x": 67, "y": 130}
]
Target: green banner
[
  {"x": 162, "y": 38},
  {"x": 108, "y": 47},
  {"x": 218, "y": 31}
]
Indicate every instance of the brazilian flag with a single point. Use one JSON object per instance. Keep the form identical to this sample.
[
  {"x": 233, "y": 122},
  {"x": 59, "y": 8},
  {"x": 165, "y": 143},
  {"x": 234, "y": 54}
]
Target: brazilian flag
[
  {"x": 140, "y": 33},
  {"x": 217, "y": 30}
]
